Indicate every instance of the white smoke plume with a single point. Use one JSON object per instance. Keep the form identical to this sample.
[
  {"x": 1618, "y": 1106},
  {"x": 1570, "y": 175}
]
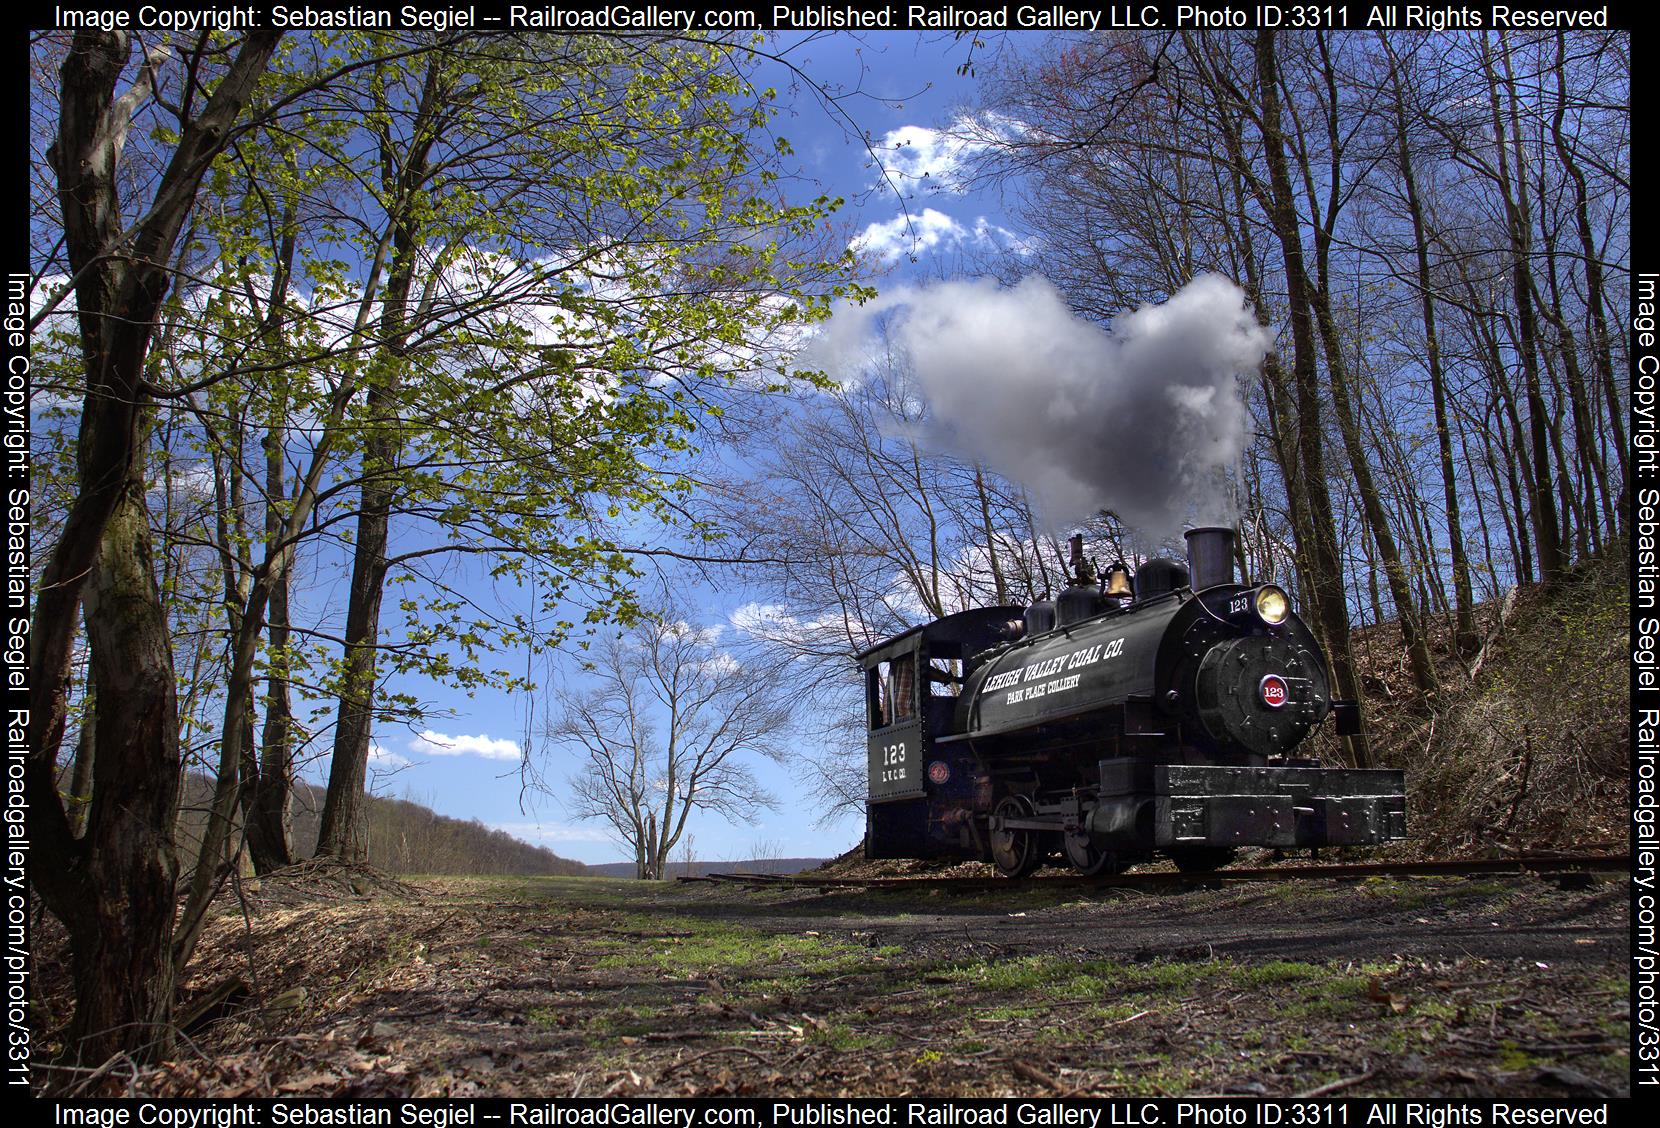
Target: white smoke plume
[{"x": 1143, "y": 420}]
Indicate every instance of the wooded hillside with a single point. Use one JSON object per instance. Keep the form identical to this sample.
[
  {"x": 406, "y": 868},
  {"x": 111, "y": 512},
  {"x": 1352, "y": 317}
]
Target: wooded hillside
[{"x": 403, "y": 836}]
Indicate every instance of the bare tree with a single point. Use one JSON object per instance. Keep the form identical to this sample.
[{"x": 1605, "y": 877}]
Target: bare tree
[
  {"x": 766, "y": 855},
  {"x": 663, "y": 728},
  {"x": 1143, "y": 158}
]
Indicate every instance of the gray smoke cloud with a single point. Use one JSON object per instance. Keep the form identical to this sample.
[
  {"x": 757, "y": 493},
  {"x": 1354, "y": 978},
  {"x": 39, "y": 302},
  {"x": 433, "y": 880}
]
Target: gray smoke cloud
[{"x": 1143, "y": 420}]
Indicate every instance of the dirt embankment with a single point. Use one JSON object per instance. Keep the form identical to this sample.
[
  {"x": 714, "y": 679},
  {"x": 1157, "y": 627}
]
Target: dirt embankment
[{"x": 546, "y": 987}]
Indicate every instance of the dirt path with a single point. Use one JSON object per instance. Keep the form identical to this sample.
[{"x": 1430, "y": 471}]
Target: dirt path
[{"x": 1421, "y": 987}]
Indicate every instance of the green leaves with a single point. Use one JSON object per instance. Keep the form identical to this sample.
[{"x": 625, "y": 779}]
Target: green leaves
[{"x": 503, "y": 283}]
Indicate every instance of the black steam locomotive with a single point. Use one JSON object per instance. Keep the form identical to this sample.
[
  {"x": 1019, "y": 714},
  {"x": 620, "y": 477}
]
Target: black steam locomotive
[{"x": 1128, "y": 717}]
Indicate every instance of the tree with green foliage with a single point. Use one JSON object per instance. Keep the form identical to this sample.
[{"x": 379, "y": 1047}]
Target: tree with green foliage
[
  {"x": 592, "y": 227},
  {"x": 453, "y": 300}
]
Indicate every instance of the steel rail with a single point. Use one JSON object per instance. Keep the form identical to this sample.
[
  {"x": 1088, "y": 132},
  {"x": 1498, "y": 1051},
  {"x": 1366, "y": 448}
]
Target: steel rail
[{"x": 1441, "y": 868}]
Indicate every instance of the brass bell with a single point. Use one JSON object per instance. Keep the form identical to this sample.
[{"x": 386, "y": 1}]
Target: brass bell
[{"x": 1118, "y": 581}]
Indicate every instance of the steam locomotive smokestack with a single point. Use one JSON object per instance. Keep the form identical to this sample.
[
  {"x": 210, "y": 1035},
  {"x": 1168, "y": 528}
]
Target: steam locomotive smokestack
[{"x": 1209, "y": 556}]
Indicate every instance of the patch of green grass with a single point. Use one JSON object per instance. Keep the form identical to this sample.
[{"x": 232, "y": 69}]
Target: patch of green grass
[
  {"x": 1074, "y": 1030},
  {"x": 679, "y": 947},
  {"x": 1032, "y": 983},
  {"x": 601, "y": 1023},
  {"x": 1030, "y": 973},
  {"x": 1277, "y": 971},
  {"x": 1167, "y": 1078},
  {"x": 1615, "y": 984},
  {"x": 1432, "y": 1007},
  {"x": 775, "y": 986},
  {"x": 1051, "y": 977},
  {"x": 1160, "y": 975},
  {"x": 841, "y": 1036},
  {"x": 1335, "y": 996},
  {"x": 1007, "y": 1012}
]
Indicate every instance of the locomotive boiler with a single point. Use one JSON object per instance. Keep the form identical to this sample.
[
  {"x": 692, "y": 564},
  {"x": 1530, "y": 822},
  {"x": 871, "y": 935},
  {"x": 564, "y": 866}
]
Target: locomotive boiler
[{"x": 1125, "y": 718}]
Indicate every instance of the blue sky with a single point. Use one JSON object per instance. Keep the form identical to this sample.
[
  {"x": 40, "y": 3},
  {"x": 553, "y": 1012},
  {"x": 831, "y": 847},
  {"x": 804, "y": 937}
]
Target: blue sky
[{"x": 899, "y": 90}]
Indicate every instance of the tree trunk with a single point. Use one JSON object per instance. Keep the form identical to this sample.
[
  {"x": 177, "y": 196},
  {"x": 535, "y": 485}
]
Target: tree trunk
[
  {"x": 114, "y": 886},
  {"x": 1276, "y": 388},
  {"x": 1324, "y": 573},
  {"x": 1515, "y": 514},
  {"x": 1481, "y": 510},
  {"x": 1371, "y": 504},
  {"x": 1465, "y": 636},
  {"x": 235, "y": 746},
  {"x": 80, "y": 770},
  {"x": 269, "y": 840},
  {"x": 340, "y": 834},
  {"x": 121, "y": 923},
  {"x": 1601, "y": 350},
  {"x": 1583, "y": 505},
  {"x": 117, "y": 297},
  {"x": 272, "y": 782},
  {"x": 1546, "y": 532},
  {"x": 1000, "y": 586},
  {"x": 1502, "y": 410},
  {"x": 1348, "y": 422}
]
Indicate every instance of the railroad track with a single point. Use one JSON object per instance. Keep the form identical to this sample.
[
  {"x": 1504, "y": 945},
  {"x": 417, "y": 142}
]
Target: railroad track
[{"x": 1557, "y": 863}]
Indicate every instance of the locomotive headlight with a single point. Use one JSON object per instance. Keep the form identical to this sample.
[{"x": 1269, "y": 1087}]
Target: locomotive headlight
[{"x": 1273, "y": 605}]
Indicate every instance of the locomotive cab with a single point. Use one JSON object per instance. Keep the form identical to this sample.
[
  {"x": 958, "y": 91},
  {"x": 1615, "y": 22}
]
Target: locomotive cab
[{"x": 912, "y": 682}]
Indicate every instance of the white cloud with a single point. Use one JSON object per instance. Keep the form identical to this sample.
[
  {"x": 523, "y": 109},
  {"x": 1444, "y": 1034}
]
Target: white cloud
[
  {"x": 700, "y": 636},
  {"x": 774, "y": 622},
  {"x": 763, "y": 618},
  {"x": 914, "y": 234},
  {"x": 987, "y": 232},
  {"x": 439, "y": 744},
  {"x": 383, "y": 759},
  {"x": 934, "y": 158},
  {"x": 908, "y": 235},
  {"x": 720, "y": 664},
  {"x": 938, "y": 159}
]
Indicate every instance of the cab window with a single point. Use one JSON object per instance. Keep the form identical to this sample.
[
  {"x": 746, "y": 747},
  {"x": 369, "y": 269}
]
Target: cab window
[
  {"x": 945, "y": 677},
  {"x": 890, "y": 691},
  {"x": 904, "y": 688}
]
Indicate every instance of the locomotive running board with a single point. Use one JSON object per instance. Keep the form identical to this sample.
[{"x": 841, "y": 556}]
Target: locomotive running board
[{"x": 1200, "y": 805}]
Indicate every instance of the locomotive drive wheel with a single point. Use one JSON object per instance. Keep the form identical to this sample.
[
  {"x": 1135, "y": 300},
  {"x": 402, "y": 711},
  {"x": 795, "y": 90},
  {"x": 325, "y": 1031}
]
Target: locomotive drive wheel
[
  {"x": 1089, "y": 859},
  {"x": 1201, "y": 859},
  {"x": 1016, "y": 852}
]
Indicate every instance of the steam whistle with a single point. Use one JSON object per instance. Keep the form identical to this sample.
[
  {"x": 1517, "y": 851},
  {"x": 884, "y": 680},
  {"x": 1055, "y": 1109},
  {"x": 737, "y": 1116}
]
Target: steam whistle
[{"x": 1083, "y": 574}]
